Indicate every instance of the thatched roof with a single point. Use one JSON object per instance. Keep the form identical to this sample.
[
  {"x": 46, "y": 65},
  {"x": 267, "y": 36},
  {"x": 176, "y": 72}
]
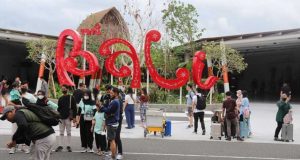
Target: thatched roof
[{"x": 112, "y": 23}]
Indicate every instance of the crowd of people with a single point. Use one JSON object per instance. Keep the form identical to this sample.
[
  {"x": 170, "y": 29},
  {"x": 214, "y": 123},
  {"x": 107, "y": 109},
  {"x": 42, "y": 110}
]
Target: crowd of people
[
  {"x": 236, "y": 113},
  {"x": 98, "y": 115}
]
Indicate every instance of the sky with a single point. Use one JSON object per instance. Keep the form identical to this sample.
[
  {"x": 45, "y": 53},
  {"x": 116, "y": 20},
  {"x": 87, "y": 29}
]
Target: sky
[{"x": 218, "y": 17}]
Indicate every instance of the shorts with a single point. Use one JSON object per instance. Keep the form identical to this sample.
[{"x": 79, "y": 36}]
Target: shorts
[
  {"x": 111, "y": 132},
  {"x": 189, "y": 111}
]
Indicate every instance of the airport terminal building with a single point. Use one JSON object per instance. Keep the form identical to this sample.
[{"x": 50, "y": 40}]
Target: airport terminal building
[{"x": 272, "y": 59}]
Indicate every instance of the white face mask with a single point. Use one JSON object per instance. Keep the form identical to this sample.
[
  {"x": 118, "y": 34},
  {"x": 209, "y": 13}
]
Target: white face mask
[
  {"x": 40, "y": 96},
  {"x": 86, "y": 97}
]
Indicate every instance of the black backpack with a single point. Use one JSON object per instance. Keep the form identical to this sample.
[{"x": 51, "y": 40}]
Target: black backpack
[
  {"x": 47, "y": 115},
  {"x": 201, "y": 102}
]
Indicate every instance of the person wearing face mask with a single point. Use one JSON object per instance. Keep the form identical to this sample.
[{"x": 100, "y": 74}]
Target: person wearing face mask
[
  {"x": 43, "y": 100},
  {"x": 283, "y": 108},
  {"x": 85, "y": 115},
  {"x": 67, "y": 109}
]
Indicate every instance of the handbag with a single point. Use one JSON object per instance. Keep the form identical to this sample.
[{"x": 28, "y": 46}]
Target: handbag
[
  {"x": 246, "y": 113},
  {"x": 88, "y": 115}
]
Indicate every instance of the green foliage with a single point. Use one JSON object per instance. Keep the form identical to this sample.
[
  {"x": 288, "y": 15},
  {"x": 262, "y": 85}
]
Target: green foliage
[
  {"x": 46, "y": 49},
  {"x": 161, "y": 96},
  {"x": 58, "y": 91},
  {"x": 217, "y": 97},
  {"x": 214, "y": 52},
  {"x": 181, "y": 22},
  {"x": 43, "y": 46},
  {"x": 164, "y": 60}
]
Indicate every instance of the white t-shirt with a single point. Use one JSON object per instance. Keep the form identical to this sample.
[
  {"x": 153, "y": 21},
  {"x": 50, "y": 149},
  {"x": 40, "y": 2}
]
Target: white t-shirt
[
  {"x": 129, "y": 99},
  {"x": 30, "y": 97},
  {"x": 195, "y": 102}
]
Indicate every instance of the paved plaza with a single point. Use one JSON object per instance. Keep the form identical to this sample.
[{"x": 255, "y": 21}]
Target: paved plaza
[{"x": 183, "y": 144}]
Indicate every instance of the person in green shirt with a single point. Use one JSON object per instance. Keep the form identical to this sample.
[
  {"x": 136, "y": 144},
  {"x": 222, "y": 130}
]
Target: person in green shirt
[
  {"x": 85, "y": 115},
  {"x": 98, "y": 127},
  {"x": 283, "y": 108},
  {"x": 15, "y": 95}
]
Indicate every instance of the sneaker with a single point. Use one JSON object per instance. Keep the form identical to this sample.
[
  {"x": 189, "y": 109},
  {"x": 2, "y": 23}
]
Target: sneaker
[
  {"x": 203, "y": 133},
  {"x": 12, "y": 150},
  {"x": 277, "y": 139},
  {"x": 239, "y": 139},
  {"x": 128, "y": 127},
  {"x": 69, "y": 149},
  {"x": 84, "y": 150},
  {"x": 90, "y": 150},
  {"x": 119, "y": 156},
  {"x": 189, "y": 126},
  {"x": 195, "y": 132},
  {"x": 25, "y": 150},
  {"x": 99, "y": 153},
  {"x": 59, "y": 149},
  {"x": 228, "y": 139}
]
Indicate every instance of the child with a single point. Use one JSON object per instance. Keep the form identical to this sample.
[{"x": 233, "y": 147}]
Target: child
[
  {"x": 143, "y": 105},
  {"x": 98, "y": 126}
]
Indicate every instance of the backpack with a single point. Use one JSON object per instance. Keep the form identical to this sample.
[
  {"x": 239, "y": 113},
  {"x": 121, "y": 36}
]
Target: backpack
[
  {"x": 246, "y": 113},
  {"x": 47, "y": 115},
  {"x": 201, "y": 103}
]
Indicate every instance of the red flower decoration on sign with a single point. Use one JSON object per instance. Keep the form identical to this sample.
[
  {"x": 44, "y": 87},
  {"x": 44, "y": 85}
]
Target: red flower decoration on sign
[
  {"x": 198, "y": 67},
  {"x": 124, "y": 71},
  {"x": 182, "y": 74},
  {"x": 69, "y": 64}
]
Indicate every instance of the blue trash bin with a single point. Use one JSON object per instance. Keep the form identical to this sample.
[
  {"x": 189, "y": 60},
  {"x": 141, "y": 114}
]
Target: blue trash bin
[{"x": 168, "y": 129}]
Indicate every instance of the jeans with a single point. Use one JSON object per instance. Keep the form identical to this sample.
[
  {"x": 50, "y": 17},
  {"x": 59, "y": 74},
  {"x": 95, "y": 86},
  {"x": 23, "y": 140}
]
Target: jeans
[
  {"x": 129, "y": 113},
  {"x": 279, "y": 126},
  {"x": 199, "y": 115}
]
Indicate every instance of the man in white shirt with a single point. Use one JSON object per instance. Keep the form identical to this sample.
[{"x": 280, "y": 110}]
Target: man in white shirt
[{"x": 199, "y": 110}]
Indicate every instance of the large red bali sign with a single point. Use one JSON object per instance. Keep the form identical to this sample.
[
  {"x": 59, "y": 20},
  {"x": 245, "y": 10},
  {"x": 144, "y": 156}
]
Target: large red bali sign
[{"x": 69, "y": 63}]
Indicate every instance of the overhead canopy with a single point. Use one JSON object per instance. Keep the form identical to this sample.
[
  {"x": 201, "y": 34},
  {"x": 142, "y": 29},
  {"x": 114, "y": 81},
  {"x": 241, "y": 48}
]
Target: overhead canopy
[{"x": 256, "y": 43}]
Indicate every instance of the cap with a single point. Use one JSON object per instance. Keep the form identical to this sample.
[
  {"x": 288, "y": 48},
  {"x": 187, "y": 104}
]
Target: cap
[{"x": 5, "y": 111}]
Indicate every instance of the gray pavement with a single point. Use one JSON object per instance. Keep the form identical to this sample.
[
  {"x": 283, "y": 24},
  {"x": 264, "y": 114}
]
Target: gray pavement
[
  {"x": 163, "y": 149},
  {"x": 183, "y": 144}
]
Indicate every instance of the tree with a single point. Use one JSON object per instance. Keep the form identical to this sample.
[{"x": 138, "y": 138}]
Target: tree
[
  {"x": 47, "y": 48},
  {"x": 141, "y": 19},
  {"x": 181, "y": 22},
  {"x": 234, "y": 60}
]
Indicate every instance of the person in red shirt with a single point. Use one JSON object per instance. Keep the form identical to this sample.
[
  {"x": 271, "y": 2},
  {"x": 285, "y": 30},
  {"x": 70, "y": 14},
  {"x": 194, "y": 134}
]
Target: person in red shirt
[{"x": 230, "y": 108}]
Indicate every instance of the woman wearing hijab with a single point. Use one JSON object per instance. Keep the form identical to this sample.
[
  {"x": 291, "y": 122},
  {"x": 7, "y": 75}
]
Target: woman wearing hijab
[
  {"x": 43, "y": 100},
  {"x": 85, "y": 115}
]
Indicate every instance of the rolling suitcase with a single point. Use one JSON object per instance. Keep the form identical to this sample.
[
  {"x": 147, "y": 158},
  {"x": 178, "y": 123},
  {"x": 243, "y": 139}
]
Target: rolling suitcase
[
  {"x": 168, "y": 128},
  {"x": 287, "y": 132},
  {"x": 215, "y": 132}
]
